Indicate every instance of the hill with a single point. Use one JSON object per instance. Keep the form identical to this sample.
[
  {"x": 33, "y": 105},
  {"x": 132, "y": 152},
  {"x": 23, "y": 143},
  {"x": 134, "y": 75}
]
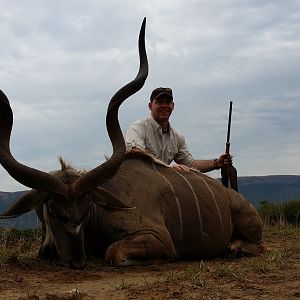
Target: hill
[
  {"x": 25, "y": 221},
  {"x": 277, "y": 188}
]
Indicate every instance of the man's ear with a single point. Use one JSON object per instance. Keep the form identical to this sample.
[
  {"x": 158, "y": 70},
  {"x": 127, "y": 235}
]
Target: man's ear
[{"x": 150, "y": 105}]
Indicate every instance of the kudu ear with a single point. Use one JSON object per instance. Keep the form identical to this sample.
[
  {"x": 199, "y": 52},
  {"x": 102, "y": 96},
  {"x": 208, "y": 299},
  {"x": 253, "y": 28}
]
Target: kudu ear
[
  {"x": 107, "y": 200},
  {"x": 25, "y": 204}
]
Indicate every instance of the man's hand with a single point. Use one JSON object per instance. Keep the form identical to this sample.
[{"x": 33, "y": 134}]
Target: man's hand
[
  {"x": 224, "y": 160},
  {"x": 181, "y": 168}
]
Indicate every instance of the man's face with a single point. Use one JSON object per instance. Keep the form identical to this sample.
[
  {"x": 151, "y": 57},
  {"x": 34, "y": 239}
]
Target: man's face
[{"x": 161, "y": 108}]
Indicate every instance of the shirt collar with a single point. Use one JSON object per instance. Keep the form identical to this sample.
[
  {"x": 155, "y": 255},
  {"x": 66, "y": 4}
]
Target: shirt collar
[{"x": 156, "y": 127}]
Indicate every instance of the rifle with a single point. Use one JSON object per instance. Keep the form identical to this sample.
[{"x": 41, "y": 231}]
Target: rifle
[{"x": 229, "y": 173}]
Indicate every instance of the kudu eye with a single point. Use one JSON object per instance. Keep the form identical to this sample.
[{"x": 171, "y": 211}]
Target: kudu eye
[{"x": 58, "y": 213}]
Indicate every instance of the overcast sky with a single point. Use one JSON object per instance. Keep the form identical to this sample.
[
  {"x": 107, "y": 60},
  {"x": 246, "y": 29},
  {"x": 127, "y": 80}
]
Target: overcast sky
[{"x": 62, "y": 61}]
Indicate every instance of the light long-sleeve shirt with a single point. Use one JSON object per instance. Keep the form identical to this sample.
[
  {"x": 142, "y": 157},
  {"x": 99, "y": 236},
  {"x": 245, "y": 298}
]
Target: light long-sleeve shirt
[{"x": 147, "y": 135}]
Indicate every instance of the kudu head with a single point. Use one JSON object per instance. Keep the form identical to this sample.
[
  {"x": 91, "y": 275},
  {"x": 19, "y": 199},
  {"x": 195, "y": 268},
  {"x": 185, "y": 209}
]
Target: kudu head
[{"x": 62, "y": 198}]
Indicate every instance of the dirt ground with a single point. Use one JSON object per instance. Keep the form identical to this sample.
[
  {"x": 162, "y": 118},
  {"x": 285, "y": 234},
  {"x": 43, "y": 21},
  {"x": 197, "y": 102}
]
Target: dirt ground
[{"x": 274, "y": 275}]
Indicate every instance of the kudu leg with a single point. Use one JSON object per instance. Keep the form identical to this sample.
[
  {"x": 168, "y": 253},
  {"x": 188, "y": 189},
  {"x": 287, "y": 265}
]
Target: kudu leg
[{"x": 141, "y": 249}]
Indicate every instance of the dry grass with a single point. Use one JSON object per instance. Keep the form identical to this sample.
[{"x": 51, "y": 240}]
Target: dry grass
[
  {"x": 19, "y": 245},
  {"x": 273, "y": 275},
  {"x": 24, "y": 245}
]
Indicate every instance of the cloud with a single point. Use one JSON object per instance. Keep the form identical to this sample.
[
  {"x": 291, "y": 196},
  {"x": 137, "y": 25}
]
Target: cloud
[{"x": 62, "y": 61}]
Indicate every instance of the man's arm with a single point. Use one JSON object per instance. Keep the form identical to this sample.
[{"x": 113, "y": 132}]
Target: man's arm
[
  {"x": 212, "y": 164},
  {"x": 185, "y": 161}
]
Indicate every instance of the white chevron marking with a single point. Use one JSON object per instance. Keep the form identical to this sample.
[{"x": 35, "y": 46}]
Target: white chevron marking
[{"x": 177, "y": 202}]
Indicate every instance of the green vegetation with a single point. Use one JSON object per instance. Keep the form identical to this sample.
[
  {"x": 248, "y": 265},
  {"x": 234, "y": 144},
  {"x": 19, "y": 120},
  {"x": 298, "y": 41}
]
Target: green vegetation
[
  {"x": 287, "y": 213},
  {"x": 20, "y": 245},
  {"x": 194, "y": 274}
]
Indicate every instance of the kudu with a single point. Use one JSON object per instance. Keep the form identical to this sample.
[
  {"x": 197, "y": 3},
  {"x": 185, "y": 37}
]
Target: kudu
[{"x": 132, "y": 209}]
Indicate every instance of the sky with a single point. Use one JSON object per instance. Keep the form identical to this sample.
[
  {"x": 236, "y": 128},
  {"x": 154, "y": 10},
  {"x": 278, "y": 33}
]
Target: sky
[{"x": 62, "y": 61}]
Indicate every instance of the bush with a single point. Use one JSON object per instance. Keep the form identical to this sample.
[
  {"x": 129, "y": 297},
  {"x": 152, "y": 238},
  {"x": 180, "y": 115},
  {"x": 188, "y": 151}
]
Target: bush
[
  {"x": 280, "y": 213},
  {"x": 19, "y": 243}
]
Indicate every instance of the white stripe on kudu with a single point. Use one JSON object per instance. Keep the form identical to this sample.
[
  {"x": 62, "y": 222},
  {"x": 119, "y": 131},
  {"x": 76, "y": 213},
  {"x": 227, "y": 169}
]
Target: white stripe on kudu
[
  {"x": 213, "y": 196},
  {"x": 176, "y": 199},
  {"x": 197, "y": 203}
]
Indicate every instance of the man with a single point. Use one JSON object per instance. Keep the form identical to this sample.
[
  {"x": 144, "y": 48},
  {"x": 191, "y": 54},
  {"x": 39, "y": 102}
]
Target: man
[{"x": 156, "y": 136}]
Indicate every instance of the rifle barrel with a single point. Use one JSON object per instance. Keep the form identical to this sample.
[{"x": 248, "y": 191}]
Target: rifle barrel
[
  {"x": 228, "y": 129},
  {"x": 229, "y": 122}
]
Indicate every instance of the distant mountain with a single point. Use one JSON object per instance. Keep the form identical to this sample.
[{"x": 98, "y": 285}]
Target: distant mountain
[
  {"x": 26, "y": 221},
  {"x": 277, "y": 188}
]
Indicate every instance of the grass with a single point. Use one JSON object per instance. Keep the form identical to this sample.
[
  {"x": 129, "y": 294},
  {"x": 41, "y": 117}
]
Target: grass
[
  {"x": 20, "y": 245},
  {"x": 123, "y": 285},
  {"x": 287, "y": 213},
  {"x": 215, "y": 278},
  {"x": 281, "y": 257},
  {"x": 24, "y": 245}
]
